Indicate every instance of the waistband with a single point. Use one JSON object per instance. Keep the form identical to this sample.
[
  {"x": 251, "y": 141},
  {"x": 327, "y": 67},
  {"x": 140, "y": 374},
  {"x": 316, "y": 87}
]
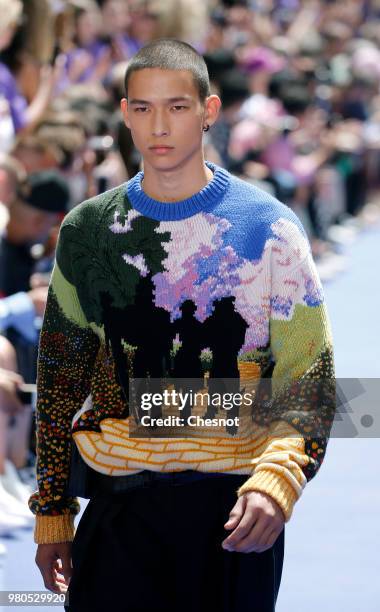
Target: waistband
[
  {"x": 147, "y": 478},
  {"x": 86, "y": 482}
]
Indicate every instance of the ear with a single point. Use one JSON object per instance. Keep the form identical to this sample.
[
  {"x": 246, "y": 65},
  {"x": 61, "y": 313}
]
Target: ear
[
  {"x": 212, "y": 107},
  {"x": 124, "y": 110}
]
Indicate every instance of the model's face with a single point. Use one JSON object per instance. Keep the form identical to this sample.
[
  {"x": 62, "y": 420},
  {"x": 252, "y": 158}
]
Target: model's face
[{"x": 166, "y": 116}]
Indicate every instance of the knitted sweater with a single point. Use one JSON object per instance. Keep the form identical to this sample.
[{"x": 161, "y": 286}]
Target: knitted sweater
[{"x": 128, "y": 265}]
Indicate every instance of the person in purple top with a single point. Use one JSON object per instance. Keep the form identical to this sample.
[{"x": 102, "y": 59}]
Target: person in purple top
[
  {"x": 22, "y": 113},
  {"x": 100, "y": 40},
  {"x": 8, "y": 85},
  {"x": 16, "y": 101},
  {"x": 91, "y": 57},
  {"x": 117, "y": 21}
]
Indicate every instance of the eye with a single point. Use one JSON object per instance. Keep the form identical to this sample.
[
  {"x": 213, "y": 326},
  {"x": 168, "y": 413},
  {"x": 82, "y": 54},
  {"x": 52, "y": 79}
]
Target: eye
[
  {"x": 179, "y": 107},
  {"x": 141, "y": 109}
]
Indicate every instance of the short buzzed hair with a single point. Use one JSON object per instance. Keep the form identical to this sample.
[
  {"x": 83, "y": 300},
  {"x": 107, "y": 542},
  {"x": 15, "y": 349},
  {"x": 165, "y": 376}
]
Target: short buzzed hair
[{"x": 171, "y": 54}]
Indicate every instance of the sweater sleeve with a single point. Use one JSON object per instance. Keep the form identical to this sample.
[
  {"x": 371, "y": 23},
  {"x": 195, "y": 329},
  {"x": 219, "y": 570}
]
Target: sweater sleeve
[
  {"x": 67, "y": 352},
  {"x": 300, "y": 412}
]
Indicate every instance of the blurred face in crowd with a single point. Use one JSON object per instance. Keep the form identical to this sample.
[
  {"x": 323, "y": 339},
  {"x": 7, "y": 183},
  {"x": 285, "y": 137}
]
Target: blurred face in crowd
[
  {"x": 29, "y": 224},
  {"x": 33, "y": 159},
  {"x": 88, "y": 27},
  {"x": 115, "y": 17},
  {"x": 214, "y": 37},
  {"x": 144, "y": 25},
  {"x": 166, "y": 116}
]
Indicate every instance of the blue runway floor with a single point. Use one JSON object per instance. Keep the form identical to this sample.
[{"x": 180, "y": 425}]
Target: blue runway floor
[{"x": 333, "y": 538}]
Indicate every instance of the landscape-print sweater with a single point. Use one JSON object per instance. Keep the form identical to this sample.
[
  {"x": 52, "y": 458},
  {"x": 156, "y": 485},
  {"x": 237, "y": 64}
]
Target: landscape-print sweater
[{"x": 132, "y": 274}]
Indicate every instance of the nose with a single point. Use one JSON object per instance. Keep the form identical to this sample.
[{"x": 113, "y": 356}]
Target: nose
[{"x": 160, "y": 126}]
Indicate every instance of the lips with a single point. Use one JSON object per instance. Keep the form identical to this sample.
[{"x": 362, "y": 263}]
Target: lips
[{"x": 161, "y": 149}]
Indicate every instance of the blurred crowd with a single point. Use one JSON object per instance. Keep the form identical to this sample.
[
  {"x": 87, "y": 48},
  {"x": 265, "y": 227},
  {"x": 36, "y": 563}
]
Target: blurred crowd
[{"x": 299, "y": 82}]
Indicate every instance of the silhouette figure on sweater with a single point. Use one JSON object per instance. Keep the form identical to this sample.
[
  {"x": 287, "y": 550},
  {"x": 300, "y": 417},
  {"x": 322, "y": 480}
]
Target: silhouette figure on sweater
[
  {"x": 146, "y": 327},
  {"x": 187, "y": 370},
  {"x": 225, "y": 333}
]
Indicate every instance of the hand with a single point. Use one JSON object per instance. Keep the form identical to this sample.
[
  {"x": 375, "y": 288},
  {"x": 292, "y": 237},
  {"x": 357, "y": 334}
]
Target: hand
[
  {"x": 39, "y": 279},
  {"x": 54, "y": 563},
  {"x": 103, "y": 65},
  {"x": 82, "y": 61},
  {"x": 257, "y": 521},
  {"x": 48, "y": 79},
  {"x": 39, "y": 297},
  {"x": 9, "y": 383}
]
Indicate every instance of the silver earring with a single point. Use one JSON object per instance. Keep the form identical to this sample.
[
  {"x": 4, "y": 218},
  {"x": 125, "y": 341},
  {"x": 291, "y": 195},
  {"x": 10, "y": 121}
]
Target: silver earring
[{"x": 206, "y": 127}]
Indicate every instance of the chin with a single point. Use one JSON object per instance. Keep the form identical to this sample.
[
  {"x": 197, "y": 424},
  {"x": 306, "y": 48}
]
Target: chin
[{"x": 164, "y": 164}]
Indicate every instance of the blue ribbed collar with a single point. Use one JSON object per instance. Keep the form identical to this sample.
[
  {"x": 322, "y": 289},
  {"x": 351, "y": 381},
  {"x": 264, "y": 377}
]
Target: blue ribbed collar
[{"x": 205, "y": 199}]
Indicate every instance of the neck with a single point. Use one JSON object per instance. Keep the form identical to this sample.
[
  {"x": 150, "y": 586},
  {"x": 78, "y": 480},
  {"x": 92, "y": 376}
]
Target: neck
[{"x": 178, "y": 183}]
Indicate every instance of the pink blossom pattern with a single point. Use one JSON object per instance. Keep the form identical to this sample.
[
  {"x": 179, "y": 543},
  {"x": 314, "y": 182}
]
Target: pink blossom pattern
[{"x": 201, "y": 266}]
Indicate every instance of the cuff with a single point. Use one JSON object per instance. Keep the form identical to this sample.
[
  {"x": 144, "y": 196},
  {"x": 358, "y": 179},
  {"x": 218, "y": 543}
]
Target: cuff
[
  {"x": 275, "y": 486},
  {"x": 54, "y": 529}
]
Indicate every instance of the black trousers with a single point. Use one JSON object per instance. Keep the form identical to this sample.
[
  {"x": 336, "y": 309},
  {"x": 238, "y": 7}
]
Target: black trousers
[{"x": 157, "y": 548}]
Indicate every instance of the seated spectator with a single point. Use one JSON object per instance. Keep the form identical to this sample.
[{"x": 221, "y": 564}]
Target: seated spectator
[
  {"x": 64, "y": 131},
  {"x": 40, "y": 205}
]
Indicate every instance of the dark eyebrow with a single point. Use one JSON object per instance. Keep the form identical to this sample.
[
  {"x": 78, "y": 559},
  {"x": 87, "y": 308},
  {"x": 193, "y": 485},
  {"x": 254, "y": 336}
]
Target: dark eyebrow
[
  {"x": 170, "y": 100},
  {"x": 135, "y": 101},
  {"x": 179, "y": 99}
]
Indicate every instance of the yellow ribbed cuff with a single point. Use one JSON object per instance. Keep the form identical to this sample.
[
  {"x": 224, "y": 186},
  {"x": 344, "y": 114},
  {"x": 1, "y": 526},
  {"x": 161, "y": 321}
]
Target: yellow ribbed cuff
[
  {"x": 273, "y": 485},
  {"x": 54, "y": 529}
]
